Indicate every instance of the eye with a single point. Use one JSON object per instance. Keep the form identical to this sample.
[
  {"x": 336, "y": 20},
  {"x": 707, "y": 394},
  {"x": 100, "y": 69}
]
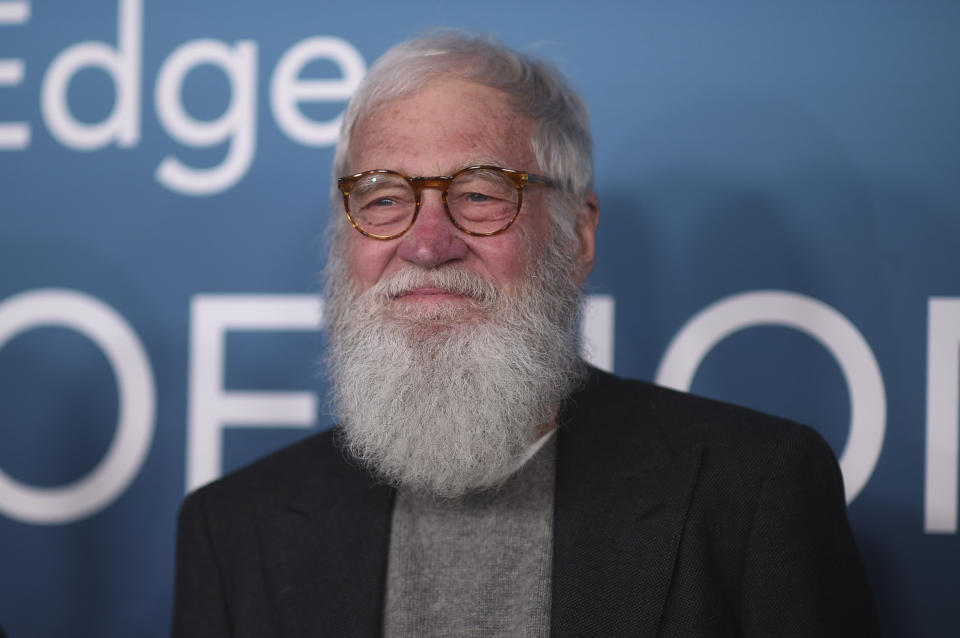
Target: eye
[
  {"x": 476, "y": 197},
  {"x": 383, "y": 198}
]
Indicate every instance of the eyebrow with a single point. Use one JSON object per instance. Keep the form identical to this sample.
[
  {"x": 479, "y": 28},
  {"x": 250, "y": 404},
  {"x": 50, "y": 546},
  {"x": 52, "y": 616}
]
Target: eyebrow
[
  {"x": 488, "y": 161},
  {"x": 484, "y": 161}
]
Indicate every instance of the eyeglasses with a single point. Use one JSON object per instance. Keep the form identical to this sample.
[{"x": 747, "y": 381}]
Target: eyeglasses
[{"x": 479, "y": 200}]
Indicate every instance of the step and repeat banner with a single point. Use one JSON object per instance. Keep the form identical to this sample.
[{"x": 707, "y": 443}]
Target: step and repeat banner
[{"x": 780, "y": 227}]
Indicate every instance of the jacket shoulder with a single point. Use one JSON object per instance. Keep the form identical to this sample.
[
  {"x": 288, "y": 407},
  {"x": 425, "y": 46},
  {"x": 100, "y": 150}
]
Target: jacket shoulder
[
  {"x": 646, "y": 414},
  {"x": 316, "y": 462}
]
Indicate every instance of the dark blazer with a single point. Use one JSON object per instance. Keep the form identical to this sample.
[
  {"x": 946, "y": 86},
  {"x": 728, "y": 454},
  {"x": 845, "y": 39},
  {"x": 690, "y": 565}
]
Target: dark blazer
[{"x": 674, "y": 516}]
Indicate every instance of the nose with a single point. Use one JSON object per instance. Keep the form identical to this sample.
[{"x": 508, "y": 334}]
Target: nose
[{"x": 433, "y": 240}]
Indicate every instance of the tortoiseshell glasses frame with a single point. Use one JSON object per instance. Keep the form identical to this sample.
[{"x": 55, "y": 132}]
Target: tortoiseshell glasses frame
[{"x": 404, "y": 220}]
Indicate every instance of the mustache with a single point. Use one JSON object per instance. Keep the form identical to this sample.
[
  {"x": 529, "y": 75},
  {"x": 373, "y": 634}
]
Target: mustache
[{"x": 454, "y": 279}]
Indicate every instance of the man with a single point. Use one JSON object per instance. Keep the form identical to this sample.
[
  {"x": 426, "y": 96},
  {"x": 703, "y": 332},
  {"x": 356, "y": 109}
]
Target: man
[{"x": 482, "y": 480}]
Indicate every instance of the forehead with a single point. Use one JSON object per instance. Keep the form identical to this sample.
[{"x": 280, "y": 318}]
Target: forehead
[{"x": 445, "y": 125}]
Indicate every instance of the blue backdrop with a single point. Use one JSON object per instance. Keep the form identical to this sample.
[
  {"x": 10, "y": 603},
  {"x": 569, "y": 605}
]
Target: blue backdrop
[{"x": 780, "y": 228}]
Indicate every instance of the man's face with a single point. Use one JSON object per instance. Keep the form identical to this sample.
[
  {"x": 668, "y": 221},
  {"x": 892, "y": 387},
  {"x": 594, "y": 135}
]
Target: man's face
[
  {"x": 448, "y": 125},
  {"x": 423, "y": 403}
]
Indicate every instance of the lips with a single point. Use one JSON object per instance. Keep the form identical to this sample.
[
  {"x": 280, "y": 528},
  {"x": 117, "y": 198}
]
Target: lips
[
  {"x": 449, "y": 284},
  {"x": 430, "y": 292}
]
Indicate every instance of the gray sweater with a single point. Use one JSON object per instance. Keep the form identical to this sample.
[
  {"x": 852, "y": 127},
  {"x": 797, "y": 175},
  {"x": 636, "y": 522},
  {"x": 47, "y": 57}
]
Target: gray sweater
[{"x": 474, "y": 567}]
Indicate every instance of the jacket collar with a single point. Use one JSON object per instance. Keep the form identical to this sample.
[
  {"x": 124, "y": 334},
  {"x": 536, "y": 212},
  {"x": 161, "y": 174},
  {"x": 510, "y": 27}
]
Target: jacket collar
[
  {"x": 622, "y": 495},
  {"x": 326, "y": 551}
]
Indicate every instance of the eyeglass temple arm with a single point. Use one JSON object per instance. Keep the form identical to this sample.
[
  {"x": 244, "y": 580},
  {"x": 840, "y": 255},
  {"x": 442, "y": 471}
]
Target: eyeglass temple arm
[{"x": 540, "y": 179}]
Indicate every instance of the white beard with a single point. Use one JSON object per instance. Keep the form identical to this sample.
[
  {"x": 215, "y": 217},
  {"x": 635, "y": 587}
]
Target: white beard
[{"x": 437, "y": 400}]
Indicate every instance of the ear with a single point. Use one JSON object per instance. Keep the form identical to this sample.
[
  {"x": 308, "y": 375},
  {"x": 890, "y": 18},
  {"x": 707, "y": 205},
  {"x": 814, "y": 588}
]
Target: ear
[{"x": 587, "y": 219}]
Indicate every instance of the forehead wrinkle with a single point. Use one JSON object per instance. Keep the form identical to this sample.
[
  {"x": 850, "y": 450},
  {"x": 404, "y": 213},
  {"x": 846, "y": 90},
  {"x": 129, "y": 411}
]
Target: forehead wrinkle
[
  {"x": 487, "y": 155},
  {"x": 408, "y": 131}
]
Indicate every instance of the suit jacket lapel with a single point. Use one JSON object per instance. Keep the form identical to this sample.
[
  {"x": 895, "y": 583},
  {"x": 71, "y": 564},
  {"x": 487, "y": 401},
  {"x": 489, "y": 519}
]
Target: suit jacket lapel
[
  {"x": 326, "y": 553},
  {"x": 622, "y": 495}
]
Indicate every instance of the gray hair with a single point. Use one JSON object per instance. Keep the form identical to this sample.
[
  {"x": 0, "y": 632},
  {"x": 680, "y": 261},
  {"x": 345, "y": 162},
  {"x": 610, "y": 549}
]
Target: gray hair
[{"x": 561, "y": 141}]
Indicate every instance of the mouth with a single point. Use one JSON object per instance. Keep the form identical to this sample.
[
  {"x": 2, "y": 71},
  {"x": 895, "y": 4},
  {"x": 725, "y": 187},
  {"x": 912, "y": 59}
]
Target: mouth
[
  {"x": 428, "y": 293},
  {"x": 449, "y": 292}
]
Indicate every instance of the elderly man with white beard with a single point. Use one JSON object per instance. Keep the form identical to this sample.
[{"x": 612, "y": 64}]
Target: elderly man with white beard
[{"x": 482, "y": 479}]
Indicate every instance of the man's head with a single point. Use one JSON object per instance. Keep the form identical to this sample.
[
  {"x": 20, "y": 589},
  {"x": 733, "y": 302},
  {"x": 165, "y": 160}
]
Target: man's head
[{"x": 450, "y": 351}]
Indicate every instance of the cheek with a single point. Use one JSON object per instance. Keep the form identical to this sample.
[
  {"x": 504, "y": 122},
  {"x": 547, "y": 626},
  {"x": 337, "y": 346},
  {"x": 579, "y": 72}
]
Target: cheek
[
  {"x": 368, "y": 259},
  {"x": 510, "y": 261}
]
